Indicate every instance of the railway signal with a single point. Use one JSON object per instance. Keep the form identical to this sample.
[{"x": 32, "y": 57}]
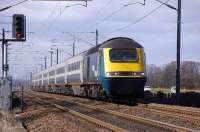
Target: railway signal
[{"x": 19, "y": 26}]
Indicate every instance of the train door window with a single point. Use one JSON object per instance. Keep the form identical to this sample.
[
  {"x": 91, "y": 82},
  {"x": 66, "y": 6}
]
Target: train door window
[
  {"x": 79, "y": 63},
  {"x": 88, "y": 67},
  {"x": 72, "y": 66},
  {"x": 75, "y": 65}
]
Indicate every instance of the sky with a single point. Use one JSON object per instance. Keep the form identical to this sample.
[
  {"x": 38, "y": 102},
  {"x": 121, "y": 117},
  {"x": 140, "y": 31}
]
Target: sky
[{"x": 59, "y": 24}]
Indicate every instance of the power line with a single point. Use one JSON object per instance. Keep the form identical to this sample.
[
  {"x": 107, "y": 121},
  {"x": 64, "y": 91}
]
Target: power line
[
  {"x": 108, "y": 16},
  {"x": 139, "y": 20},
  {"x": 51, "y": 14},
  {"x": 101, "y": 9},
  {"x": 78, "y": 38},
  {"x": 97, "y": 13},
  {"x": 5, "y": 8}
]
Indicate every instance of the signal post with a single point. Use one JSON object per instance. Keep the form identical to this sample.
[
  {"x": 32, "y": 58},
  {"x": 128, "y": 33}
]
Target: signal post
[{"x": 18, "y": 35}]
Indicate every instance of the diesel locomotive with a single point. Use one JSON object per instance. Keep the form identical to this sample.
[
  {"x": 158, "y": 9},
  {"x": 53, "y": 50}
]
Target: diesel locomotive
[{"x": 115, "y": 69}]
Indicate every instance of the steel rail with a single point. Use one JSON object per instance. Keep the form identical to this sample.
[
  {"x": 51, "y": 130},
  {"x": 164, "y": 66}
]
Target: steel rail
[
  {"x": 85, "y": 117},
  {"x": 151, "y": 122},
  {"x": 172, "y": 110},
  {"x": 185, "y": 117}
]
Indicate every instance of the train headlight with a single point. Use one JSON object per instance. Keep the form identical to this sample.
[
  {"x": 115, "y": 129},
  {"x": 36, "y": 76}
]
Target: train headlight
[
  {"x": 108, "y": 74},
  {"x": 112, "y": 73},
  {"x": 125, "y": 74},
  {"x": 138, "y": 73}
]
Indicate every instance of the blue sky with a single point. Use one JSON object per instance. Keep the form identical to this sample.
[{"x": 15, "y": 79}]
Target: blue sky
[{"x": 47, "y": 21}]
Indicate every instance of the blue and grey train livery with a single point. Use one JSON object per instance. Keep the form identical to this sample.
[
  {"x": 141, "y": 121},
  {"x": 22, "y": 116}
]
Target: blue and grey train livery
[{"x": 113, "y": 69}]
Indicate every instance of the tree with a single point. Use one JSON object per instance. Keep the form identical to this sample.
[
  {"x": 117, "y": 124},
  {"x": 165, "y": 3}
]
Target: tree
[{"x": 166, "y": 76}]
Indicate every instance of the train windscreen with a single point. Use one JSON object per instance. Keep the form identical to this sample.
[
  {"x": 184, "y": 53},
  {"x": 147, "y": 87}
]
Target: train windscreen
[{"x": 119, "y": 55}]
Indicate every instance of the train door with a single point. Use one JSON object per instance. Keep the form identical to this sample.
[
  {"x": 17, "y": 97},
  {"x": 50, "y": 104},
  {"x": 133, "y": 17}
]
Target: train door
[
  {"x": 88, "y": 69},
  {"x": 100, "y": 64}
]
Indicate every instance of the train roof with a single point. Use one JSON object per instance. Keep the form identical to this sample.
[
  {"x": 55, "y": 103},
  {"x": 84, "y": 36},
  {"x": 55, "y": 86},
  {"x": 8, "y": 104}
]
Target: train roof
[{"x": 119, "y": 42}]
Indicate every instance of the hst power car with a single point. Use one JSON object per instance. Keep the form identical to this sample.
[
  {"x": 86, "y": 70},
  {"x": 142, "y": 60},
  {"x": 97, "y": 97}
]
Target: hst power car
[{"x": 115, "y": 69}]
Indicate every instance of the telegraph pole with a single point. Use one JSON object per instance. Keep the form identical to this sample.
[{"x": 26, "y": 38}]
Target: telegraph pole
[
  {"x": 178, "y": 53},
  {"x": 97, "y": 37},
  {"x": 3, "y": 41},
  {"x": 45, "y": 63},
  {"x": 56, "y": 56},
  {"x": 6, "y": 59},
  {"x": 51, "y": 53},
  {"x": 73, "y": 48}
]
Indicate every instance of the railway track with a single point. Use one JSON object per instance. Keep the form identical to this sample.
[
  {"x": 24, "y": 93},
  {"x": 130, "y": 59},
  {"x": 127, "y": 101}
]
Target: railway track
[
  {"x": 195, "y": 119},
  {"x": 195, "y": 115},
  {"x": 80, "y": 115},
  {"x": 141, "y": 120}
]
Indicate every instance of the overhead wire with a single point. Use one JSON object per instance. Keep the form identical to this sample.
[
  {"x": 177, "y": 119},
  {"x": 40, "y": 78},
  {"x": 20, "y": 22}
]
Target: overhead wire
[
  {"x": 97, "y": 12},
  {"x": 51, "y": 14},
  {"x": 54, "y": 21},
  {"x": 138, "y": 20},
  {"x": 112, "y": 14},
  {"x": 108, "y": 17}
]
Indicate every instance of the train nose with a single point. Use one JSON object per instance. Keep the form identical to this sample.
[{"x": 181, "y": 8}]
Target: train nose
[{"x": 126, "y": 87}]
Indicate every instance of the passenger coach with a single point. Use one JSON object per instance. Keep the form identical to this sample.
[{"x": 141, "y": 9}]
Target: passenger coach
[{"x": 114, "y": 69}]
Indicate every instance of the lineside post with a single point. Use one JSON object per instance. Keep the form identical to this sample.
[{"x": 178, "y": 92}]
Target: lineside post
[
  {"x": 178, "y": 76},
  {"x": 3, "y": 41}
]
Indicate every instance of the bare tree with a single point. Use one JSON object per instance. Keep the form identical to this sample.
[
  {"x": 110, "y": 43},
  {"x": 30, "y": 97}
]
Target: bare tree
[{"x": 166, "y": 76}]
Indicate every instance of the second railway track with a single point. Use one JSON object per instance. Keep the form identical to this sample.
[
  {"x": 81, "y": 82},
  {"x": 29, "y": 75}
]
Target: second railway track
[
  {"x": 124, "y": 121},
  {"x": 194, "y": 114}
]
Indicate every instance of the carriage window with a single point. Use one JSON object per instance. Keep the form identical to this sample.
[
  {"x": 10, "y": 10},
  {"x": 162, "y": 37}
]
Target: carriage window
[
  {"x": 60, "y": 70},
  {"x": 74, "y": 66},
  {"x": 51, "y": 73},
  {"x": 117, "y": 55}
]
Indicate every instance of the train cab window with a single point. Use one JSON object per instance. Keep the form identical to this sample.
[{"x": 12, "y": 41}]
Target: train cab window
[{"x": 118, "y": 55}]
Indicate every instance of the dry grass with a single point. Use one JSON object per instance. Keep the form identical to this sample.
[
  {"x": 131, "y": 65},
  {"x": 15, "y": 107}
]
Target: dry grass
[
  {"x": 168, "y": 90},
  {"x": 9, "y": 124}
]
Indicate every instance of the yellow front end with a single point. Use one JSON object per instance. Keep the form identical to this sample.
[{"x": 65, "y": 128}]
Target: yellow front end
[
  {"x": 136, "y": 69},
  {"x": 124, "y": 78}
]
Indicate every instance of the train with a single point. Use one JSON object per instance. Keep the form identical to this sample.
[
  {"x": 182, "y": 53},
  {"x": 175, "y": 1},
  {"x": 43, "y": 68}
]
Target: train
[{"x": 114, "y": 69}]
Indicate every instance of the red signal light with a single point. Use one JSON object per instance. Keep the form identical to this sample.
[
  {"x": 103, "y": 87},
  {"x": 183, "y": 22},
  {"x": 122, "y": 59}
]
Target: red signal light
[
  {"x": 19, "y": 22},
  {"x": 18, "y": 35}
]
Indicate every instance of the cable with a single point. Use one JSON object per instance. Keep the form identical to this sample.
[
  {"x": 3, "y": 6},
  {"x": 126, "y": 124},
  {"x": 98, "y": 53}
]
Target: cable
[
  {"x": 101, "y": 9},
  {"x": 78, "y": 38},
  {"x": 51, "y": 14},
  {"x": 109, "y": 16},
  {"x": 5, "y": 8},
  {"x": 97, "y": 13},
  {"x": 139, "y": 20}
]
